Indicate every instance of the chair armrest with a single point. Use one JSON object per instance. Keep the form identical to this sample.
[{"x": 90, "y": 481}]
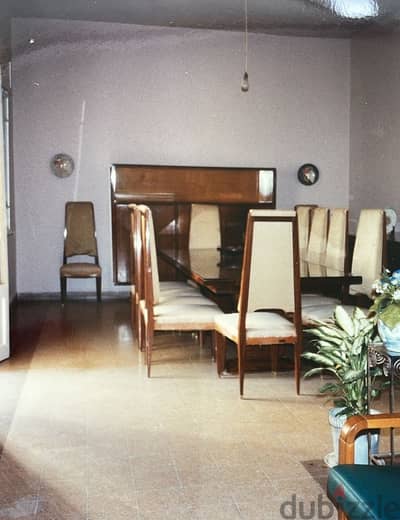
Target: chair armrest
[{"x": 356, "y": 424}]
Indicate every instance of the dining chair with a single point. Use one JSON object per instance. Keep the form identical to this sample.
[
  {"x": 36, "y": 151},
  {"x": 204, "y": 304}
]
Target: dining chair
[
  {"x": 368, "y": 261},
  {"x": 369, "y": 250},
  {"x": 303, "y": 212},
  {"x": 361, "y": 490},
  {"x": 204, "y": 229},
  {"x": 269, "y": 291},
  {"x": 335, "y": 257},
  {"x": 177, "y": 311},
  {"x": 318, "y": 235},
  {"x": 163, "y": 290},
  {"x": 337, "y": 242},
  {"x": 80, "y": 240}
]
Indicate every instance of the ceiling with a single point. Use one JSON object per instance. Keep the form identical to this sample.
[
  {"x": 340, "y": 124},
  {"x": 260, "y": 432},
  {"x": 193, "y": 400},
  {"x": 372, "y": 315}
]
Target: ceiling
[{"x": 323, "y": 18}]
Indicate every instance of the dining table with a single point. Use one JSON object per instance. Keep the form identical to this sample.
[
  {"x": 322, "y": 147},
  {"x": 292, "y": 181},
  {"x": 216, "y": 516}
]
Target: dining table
[{"x": 218, "y": 273}]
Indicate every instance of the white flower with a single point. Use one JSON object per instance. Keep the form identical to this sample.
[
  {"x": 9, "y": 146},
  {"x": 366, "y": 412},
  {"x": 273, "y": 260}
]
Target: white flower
[{"x": 396, "y": 295}]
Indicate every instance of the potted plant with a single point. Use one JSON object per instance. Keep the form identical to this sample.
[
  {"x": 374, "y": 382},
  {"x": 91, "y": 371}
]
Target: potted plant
[
  {"x": 386, "y": 306},
  {"x": 342, "y": 350}
]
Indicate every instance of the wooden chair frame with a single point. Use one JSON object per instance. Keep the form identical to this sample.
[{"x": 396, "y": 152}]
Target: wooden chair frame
[
  {"x": 146, "y": 305},
  {"x": 243, "y": 341},
  {"x": 353, "y": 426},
  {"x": 92, "y": 253}
]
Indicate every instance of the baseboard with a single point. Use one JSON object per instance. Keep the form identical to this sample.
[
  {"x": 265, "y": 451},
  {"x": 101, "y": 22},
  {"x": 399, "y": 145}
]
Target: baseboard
[{"x": 73, "y": 296}]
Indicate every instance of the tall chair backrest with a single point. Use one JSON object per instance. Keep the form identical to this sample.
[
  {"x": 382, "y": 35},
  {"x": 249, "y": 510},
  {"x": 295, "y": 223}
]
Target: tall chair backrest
[
  {"x": 318, "y": 236},
  {"x": 80, "y": 231},
  {"x": 149, "y": 262},
  {"x": 369, "y": 249},
  {"x": 149, "y": 240},
  {"x": 336, "y": 245},
  {"x": 270, "y": 271},
  {"x": 136, "y": 251},
  {"x": 204, "y": 231},
  {"x": 303, "y": 212}
]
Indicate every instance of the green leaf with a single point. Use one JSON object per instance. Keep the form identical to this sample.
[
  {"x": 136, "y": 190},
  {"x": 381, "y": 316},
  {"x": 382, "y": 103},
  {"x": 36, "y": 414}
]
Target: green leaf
[
  {"x": 391, "y": 315},
  {"x": 333, "y": 388},
  {"x": 318, "y": 358},
  {"x": 344, "y": 320},
  {"x": 353, "y": 375},
  {"x": 313, "y": 371}
]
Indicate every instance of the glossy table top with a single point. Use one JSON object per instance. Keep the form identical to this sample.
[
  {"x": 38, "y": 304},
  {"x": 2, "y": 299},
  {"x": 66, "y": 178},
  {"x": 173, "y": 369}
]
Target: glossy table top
[{"x": 220, "y": 273}]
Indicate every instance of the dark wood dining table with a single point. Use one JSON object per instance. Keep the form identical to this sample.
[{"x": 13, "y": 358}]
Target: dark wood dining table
[{"x": 218, "y": 273}]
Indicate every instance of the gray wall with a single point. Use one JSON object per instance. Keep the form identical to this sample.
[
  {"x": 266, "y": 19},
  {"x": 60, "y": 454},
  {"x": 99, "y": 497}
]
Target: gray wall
[
  {"x": 375, "y": 124},
  {"x": 11, "y": 238},
  {"x": 109, "y": 93}
]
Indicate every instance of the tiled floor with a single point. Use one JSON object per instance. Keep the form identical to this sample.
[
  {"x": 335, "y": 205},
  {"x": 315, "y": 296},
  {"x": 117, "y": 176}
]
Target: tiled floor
[{"x": 85, "y": 435}]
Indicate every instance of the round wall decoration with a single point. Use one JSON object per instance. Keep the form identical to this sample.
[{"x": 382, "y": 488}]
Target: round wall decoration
[
  {"x": 62, "y": 165},
  {"x": 308, "y": 174}
]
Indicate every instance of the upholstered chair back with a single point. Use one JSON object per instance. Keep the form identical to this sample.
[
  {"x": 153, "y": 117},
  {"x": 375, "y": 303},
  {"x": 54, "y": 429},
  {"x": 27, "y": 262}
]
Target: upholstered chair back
[
  {"x": 204, "y": 229},
  {"x": 336, "y": 246},
  {"x": 369, "y": 249},
  {"x": 318, "y": 236},
  {"x": 147, "y": 233},
  {"x": 79, "y": 233},
  {"x": 270, "y": 261},
  {"x": 303, "y": 226}
]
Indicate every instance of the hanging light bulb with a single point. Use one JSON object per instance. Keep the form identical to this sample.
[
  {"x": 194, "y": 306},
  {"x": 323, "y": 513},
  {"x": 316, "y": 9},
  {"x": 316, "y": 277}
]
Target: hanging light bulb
[{"x": 245, "y": 80}]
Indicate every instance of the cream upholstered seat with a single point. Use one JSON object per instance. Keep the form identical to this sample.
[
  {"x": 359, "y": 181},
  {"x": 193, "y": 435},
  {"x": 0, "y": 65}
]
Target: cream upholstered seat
[
  {"x": 324, "y": 312},
  {"x": 317, "y": 300},
  {"x": 180, "y": 311},
  {"x": 270, "y": 280},
  {"x": 80, "y": 240},
  {"x": 204, "y": 230}
]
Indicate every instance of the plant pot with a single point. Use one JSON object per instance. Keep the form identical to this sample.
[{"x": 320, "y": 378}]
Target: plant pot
[
  {"x": 390, "y": 338},
  {"x": 361, "y": 445}
]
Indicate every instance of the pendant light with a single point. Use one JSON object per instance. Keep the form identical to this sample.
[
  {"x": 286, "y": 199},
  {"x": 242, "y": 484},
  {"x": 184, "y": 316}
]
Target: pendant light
[{"x": 245, "y": 80}]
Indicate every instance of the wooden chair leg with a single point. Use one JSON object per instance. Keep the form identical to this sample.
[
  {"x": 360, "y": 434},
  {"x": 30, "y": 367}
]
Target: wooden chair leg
[
  {"x": 213, "y": 345},
  {"x": 220, "y": 352},
  {"x": 297, "y": 365},
  {"x": 141, "y": 332},
  {"x": 274, "y": 358},
  {"x": 63, "y": 286},
  {"x": 149, "y": 350},
  {"x": 134, "y": 314},
  {"x": 98, "y": 288},
  {"x": 242, "y": 362}
]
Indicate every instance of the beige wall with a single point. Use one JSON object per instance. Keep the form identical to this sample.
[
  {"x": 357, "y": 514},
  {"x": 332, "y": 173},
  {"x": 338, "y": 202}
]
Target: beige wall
[
  {"x": 109, "y": 93},
  {"x": 375, "y": 124}
]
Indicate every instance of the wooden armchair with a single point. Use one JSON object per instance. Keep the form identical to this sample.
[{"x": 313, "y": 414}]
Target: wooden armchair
[{"x": 361, "y": 491}]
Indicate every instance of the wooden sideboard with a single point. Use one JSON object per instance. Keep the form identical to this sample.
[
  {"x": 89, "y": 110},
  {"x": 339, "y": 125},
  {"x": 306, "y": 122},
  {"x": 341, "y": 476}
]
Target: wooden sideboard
[{"x": 169, "y": 191}]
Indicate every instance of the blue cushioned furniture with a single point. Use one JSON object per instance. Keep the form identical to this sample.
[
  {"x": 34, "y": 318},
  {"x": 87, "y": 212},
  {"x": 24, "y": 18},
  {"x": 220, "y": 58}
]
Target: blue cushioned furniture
[{"x": 359, "y": 491}]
